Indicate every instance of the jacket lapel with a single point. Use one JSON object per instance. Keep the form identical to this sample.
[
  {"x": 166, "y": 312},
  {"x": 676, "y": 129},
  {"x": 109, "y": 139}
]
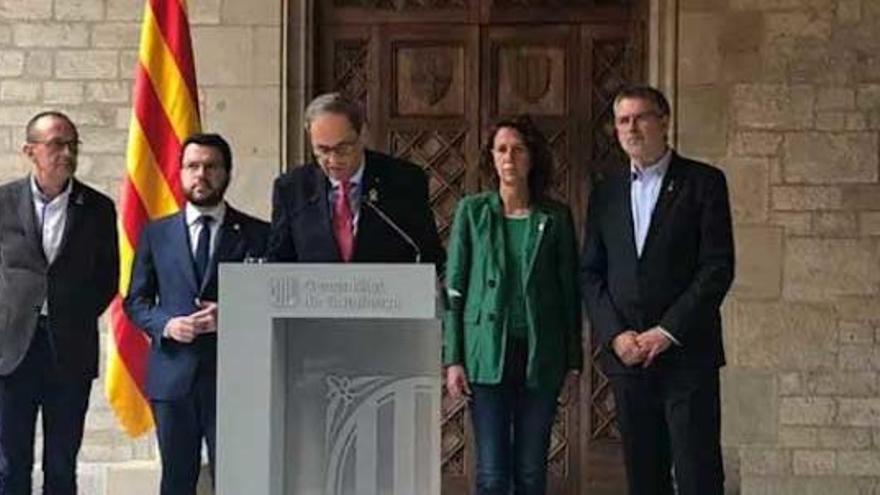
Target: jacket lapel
[
  {"x": 672, "y": 183},
  {"x": 367, "y": 221},
  {"x": 74, "y": 204},
  {"x": 180, "y": 246},
  {"x": 28, "y": 216},
  {"x": 318, "y": 204},
  {"x": 494, "y": 217},
  {"x": 623, "y": 204},
  {"x": 228, "y": 245},
  {"x": 539, "y": 222}
]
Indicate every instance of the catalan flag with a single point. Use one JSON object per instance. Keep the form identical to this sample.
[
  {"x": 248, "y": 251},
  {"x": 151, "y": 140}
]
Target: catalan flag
[{"x": 165, "y": 111}]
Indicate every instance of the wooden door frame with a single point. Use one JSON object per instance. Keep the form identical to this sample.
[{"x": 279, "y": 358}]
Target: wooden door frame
[
  {"x": 301, "y": 40},
  {"x": 298, "y": 41}
]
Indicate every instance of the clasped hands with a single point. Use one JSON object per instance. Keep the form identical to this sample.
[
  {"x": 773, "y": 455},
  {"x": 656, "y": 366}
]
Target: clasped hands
[
  {"x": 635, "y": 349},
  {"x": 186, "y": 328}
]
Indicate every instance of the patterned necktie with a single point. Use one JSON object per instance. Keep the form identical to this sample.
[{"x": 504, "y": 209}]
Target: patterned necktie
[
  {"x": 343, "y": 221},
  {"x": 203, "y": 247}
]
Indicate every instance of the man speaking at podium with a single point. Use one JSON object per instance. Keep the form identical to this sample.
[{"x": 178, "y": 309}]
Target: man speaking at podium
[{"x": 351, "y": 204}]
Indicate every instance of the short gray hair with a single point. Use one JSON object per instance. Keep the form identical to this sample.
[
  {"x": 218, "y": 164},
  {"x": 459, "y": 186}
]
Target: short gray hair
[
  {"x": 647, "y": 93},
  {"x": 338, "y": 104}
]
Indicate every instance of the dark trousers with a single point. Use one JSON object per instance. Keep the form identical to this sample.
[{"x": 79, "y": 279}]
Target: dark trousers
[
  {"x": 670, "y": 421},
  {"x": 63, "y": 401},
  {"x": 181, "y": 425},
  {"x": 512, "y": 429}
]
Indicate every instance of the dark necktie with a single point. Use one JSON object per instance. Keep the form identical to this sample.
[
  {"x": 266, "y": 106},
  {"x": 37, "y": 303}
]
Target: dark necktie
[
  {"x": 342, "y": 222},
  {"x": 203, "y": 247}
]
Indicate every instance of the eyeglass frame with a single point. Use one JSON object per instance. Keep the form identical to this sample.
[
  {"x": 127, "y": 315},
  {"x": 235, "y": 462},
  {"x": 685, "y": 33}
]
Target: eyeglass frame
[{"x": 58, "y": 144}]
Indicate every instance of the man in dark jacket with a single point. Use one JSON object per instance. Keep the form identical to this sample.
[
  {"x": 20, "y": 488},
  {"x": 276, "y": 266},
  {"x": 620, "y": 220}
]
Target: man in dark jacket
[
  {"x": 657, "y": 262},
  {"x": 59, "y": 269}
]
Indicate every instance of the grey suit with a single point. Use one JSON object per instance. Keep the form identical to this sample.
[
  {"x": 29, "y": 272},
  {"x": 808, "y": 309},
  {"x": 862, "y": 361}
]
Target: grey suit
[{"x": 48, "y": 362}]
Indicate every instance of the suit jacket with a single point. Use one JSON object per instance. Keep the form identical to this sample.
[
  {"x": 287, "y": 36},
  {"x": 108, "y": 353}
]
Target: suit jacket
[
  {"x": 475, "y": 333},
  {"x": 78, "y": 285},
  {"x": 683, "y": 274},
  {"x": 302, "y": 229},
  {"x": 163, "y": 285}
]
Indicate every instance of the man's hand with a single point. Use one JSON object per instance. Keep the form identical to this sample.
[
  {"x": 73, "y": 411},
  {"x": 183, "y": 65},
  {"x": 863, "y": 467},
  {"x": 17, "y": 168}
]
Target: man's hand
[
  {"x": 185, "y": 329},
  {"x": 654, "y": 342},
  {"x": 626, "y": 346},
  {"x": 181, "y": 329},
  {"x": 205, "y": 319},
  {"x": 456, "y": 382}
]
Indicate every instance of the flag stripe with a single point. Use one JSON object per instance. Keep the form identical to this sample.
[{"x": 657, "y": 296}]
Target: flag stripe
[
  {"x": 171, "y": 20},
  {"x": 126, "y": 258},
  {"x": 163, "y": 142},
  {"x": 126, "y": 395},
  {"x": 148, "y": 178},
  {"x": 167, "y": 80}
]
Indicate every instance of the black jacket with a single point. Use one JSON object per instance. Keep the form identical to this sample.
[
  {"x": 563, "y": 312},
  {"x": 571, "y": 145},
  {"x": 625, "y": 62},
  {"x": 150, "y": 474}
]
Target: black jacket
[
  {"x": 685, "y": 270},
  {"x": 302, "y": 228}
]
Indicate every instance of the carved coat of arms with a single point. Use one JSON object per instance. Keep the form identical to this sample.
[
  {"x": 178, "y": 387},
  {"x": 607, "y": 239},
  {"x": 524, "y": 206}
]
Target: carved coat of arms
[
  {"x": 431, "y": 76},
  {"x": 530, "y": 75}
]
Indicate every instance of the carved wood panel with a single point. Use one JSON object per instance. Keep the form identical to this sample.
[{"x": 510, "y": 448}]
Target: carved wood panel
[{"x": 432, "y": 90}]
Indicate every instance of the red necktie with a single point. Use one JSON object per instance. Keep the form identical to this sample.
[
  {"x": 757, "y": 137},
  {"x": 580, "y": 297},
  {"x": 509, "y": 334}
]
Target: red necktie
[{"x": 342, "y": 222}]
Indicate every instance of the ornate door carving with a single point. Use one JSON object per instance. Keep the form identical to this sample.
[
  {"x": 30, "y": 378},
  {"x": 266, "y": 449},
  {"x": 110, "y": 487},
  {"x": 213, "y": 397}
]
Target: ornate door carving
[{"x": 433, "y": 76}]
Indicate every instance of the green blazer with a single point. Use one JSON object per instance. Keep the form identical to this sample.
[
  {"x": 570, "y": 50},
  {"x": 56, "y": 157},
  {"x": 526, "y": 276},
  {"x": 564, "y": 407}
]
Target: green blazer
[{"x": 474, "y": 323}]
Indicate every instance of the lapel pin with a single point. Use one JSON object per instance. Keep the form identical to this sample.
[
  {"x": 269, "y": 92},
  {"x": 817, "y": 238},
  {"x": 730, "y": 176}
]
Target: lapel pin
[
  {"x": 670, "y": 187},
  {"x": 373, "y": 195},
  {"x": 236, "y": 227}
]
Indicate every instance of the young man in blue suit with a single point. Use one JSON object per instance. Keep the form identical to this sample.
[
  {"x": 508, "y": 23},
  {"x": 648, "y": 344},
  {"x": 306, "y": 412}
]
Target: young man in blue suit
[
  {"x": 173, "y": 298},
  {"x": 351, "y": 204}
]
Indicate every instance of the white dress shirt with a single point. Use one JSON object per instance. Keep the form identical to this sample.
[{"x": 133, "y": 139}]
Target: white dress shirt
[
  {"x": 51, "y": 220},
  {"x": 51, "y": 217},
  {"x": 194, "y": 226},
  {"x": 645, "y": 192}
]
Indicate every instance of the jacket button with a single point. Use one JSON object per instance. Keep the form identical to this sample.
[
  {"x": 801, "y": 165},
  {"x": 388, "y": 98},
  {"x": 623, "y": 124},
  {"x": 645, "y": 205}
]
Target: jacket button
[
  {"x": 491, "y": 316},
  {"x": 491, "y": 284}
]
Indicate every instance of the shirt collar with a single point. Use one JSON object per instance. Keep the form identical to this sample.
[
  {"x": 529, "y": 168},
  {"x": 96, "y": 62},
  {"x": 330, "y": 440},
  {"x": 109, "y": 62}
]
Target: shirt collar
[
  {"x": 193, "y": 212},
  {"x": 654, "y": 170},
  {"x": 354, "y": 179},
  {"x": 39, "y": 196}
]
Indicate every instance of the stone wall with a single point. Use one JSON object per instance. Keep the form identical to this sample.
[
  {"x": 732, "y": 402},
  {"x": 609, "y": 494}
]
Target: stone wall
[
  {"x": 79, "y": 56},
  {"x": 785, "y": 96},
  {"x": 782, "y": 94}
]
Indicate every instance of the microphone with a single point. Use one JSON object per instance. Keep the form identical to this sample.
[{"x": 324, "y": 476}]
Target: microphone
[{"x": 396, "y": 228}]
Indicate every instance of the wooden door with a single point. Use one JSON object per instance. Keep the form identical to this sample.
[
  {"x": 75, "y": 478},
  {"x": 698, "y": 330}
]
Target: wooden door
[{"x": 433, "y": 76}]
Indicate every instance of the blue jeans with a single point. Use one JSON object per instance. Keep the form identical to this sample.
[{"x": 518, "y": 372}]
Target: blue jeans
[{"x": 512, "y": 428}]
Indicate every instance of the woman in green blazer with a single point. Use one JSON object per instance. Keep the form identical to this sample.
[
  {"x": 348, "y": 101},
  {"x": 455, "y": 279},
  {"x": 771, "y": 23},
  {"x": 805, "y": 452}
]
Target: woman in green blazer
[{"x": 512, "y": 330}]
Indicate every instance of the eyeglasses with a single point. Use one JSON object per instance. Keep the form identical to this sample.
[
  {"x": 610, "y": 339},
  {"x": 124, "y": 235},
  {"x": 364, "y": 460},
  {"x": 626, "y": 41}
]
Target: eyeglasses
[
  {"x": 341, "y": 149},
  {"x": 208, "y": 167},
  {"x": 515, "y": 150},
  {"x": 636, "y": 119},
  {"x": 58, "y": 144}
]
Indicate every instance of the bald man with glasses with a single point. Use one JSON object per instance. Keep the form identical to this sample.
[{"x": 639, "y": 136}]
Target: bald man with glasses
[{"x": 59, "y": 270}]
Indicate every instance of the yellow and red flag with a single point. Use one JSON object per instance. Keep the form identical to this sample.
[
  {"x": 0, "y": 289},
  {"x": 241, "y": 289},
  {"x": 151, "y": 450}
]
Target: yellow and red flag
[{"x": 165, "y": 111}]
